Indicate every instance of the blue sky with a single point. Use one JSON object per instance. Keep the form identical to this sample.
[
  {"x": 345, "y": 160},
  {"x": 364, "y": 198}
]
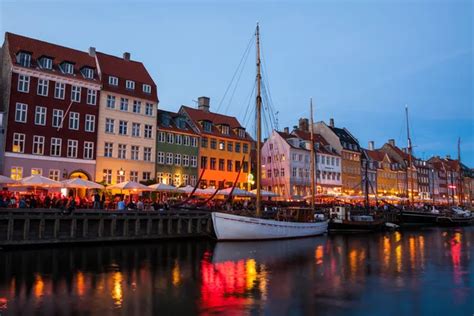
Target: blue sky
[{"x": 361, "y": 61}]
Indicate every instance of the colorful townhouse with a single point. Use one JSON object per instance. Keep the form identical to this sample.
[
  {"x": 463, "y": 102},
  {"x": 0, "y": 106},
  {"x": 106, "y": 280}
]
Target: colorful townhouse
[
  {"x": 126, "y": 138},
  {"x": 50, "y": 97},
  {"x": 368, "y": 169},
  {"x": 387, "y": 181},
  {"x": 177, "y": 150},
  {"x": 224, "y": 149},
  {"x": 347, "y": 146}
]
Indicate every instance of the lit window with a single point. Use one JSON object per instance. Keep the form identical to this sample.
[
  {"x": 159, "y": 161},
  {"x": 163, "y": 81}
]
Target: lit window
[
  {"x": 16, "y": 173},
  {"x": 107, "y": 176},
  {"x": 36, "y": 171},
  {"x": 177, "y": 159},
  {"x": 54, "y": 174}
]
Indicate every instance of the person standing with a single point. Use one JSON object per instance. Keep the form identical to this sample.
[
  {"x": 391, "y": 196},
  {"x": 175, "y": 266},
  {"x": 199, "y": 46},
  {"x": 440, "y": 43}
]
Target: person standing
[{"x": 96, "y": 200}]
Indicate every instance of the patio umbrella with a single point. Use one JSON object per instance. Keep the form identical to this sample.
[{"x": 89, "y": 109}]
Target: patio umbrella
[
  {"x": 39, "y": 181},
  {"x": 236, "y": 192},
  {"x": 130, "y": 186},
  {"x": 78, "y": 183},
  {"x": 188, "y": 189},
  {"x": 7, "y": 180},
  {"x": 161, "y": 187},
  {"x": 265, "y": 193}
]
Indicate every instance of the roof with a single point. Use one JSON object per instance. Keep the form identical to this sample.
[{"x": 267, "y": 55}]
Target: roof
[
  {"x": 376, "y": 155},
  {"x": 346, "y": 137},
  {"x": 126, "y": 70},
  {"x": 318, "y": 139},
  {"x": 197, "y": 116},
  {"x": 37, "y": 49},
  {"x": 172, "y": 127},
  {"x": 400, "y": 152}
]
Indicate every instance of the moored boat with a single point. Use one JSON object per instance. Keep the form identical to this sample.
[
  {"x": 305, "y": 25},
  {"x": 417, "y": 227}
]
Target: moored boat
[
  {"x": 342, "y": 221},
  {"x": 418, "y": 217}
]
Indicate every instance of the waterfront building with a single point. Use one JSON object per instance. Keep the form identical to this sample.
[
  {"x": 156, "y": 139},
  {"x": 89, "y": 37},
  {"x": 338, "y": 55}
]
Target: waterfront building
[
  {"x": 347, "y": 146},
  {"x": 50, "y": 98},
  {"x": 387, "y": 183},
  {"x": 126, "y": 138},
  {"x": 177, "y": 153},
  {"x": 369, "y": 172},
  {"x": 224, "y": 149}
]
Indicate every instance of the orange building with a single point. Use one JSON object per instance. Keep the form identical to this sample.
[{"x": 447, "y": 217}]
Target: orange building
[
  {"x": 387, "y": 183},
  {"x": 224, "y": 149}
]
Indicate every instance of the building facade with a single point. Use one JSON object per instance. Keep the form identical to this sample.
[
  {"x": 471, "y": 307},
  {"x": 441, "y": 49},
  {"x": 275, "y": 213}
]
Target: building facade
[
  {"x": 50, "y": 97},
  {"x": 126, "y": 138},
  {"x": 177, "y": 153},
  {"x": 387, "y": 174},
  {"x": 225, "y": 146}
]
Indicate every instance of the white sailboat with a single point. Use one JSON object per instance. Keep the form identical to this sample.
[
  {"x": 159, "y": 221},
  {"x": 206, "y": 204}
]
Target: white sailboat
[{"x": 236, "y": 227}]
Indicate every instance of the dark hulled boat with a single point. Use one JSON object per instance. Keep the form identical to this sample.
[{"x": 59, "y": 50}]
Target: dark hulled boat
[
  {"x": 418, "y": 217},
  {"x": 342, "y": 221}
]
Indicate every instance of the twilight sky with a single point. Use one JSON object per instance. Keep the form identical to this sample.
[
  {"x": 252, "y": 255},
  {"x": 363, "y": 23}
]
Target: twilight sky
[{"x": 361, "y": 61}]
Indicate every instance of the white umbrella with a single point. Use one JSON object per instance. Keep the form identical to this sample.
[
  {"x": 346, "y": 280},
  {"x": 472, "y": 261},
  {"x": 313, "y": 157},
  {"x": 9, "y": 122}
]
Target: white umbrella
[
  {"x": 208, "y": 191},
  {"x": 265, "y": 193},
  {"x": 236, "y": 192},
  {"x": 78, "y": 183},
  {"x": 7, "y": 180},
  {"x": 130, "y": 186},
  {"x": 188, "y": 189},
  {"x": 40, "y": 181},
  {"x": 161, "y": 187}
]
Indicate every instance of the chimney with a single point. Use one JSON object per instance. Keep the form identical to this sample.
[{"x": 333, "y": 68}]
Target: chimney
[
  {"x": 303, "y": 124},
  {"x": 203, "y": 104},
  {"x": 448, "y": 156},
  {"x": 371, "y": 145},
  {"x": 126, "y": 56},
  {"x": 286, "y": 130},
  {"x": 92, "y": 51},
  {"x": 391, "y": 141},
  {"x": 331, "y": 122}
]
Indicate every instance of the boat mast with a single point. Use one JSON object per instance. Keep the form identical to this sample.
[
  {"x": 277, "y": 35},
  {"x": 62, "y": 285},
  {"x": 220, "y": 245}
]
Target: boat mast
[
  {"x": 313, "y": 183},
  {"x": 259, "y": 127},
  {"x": 410, "y": 162},
  {"x": 461, "y": 182}
]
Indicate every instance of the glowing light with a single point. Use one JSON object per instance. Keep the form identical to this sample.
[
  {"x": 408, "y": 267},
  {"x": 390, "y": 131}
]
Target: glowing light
[
  {"x": 176, "y": 274},
  {"x": 319, "y": 253},
  {"x": 38, "y": 286},
  {"x": 117, "y": 292},
  {"x": 398, "y": 257},
  {"x": 80, "y": 283},
  {"x": 250, "y": 273},
  {"x": 386, "y": 250},
  {"x": 398, "y": 236}
]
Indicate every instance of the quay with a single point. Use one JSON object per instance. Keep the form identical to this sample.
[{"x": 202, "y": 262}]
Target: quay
[{"x": 23, "y": 227}]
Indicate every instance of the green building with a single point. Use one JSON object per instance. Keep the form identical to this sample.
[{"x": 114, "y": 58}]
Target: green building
[{"x": 177, "y": 148}]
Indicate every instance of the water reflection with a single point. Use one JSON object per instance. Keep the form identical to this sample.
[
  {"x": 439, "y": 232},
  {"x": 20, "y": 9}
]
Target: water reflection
[{"x": 406, "y": 272}]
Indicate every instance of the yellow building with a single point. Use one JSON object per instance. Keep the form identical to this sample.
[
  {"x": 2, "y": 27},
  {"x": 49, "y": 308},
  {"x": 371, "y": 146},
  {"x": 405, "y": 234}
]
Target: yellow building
[
  {"x": 126, "y": 140},
  {"x": 225, "y": 147},
  {"x": 387, "y": 179}
]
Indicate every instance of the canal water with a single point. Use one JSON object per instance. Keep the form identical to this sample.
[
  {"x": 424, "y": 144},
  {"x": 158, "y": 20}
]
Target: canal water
[{"x": 422, "y": 272}]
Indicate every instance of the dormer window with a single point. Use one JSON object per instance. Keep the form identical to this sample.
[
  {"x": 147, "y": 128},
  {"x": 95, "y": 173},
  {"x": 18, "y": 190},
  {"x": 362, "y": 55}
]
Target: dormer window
[
  {"x": 207, "y": 126},
  {"x": 113, "y": 81},
  {"x": 180, "y": 123},
  {"x": 225, "y": 129},
  {"x": 241, "y": 133},
  {"x": 129, "y": 84},
  {"x": 24, "y": 59},
  {"x": 67, "y": 68},
  {"x": 46, "y": 63},
  {"x": 146, "y": 88},
  {"x": 88, "y": 72}
]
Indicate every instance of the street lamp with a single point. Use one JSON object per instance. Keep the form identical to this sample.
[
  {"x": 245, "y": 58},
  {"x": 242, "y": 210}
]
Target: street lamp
[{"x": 121, "y": 172}]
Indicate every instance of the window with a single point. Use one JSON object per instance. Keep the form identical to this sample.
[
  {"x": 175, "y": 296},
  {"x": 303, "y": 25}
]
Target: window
[
  {"x": 109, "y": 125},
  {"x": 221, "y": 164},
  {"x": 162, "y": 137},
  {"x": 147, "y": 153},
  {"x": 57, "y": 118},
  {"x": 23, "y": 83},
  {"x": 75, "y": 94},
  {"x": 149, "y": 131},
  {"x": 203, "y": 162},
  {"x": 245, "y": 148},
  {"x": 73, "y": 120},
  {"x": 149, "y": 109},
  {"x": 38, "y": 145},
  {"x": 135, "y": 129},
  {"x": 242, "y": 133},
  {"x": 59, "y": 90},
  {"x": 186, "y": 160},
  {"x": 213, "y": 143},
  {"x": 123, "y": 127},
  {"x": 46, "y": 63},
  {"x": 159, "y": 177},
  {"x": 24, "y": 59},
  {"x": 88, "y": 72},
  {"x": 177, "y": 159},
  {"x": 221, "y": 145},
  {"x": 107, "y": 176},
  {"x": 113, "y": 81},
  {"x": 212, "y": 164},
  {"x": 193, "y": 180},
  {"x": 90, "y": 123},
  {"x": 134, "y": 176},
  {"x": 229, "y": 165},
  {"x": 194, "y": 141},
  {"x": 170, "y": 138},
  {"x": 207, "y": 126},
  {"x": 129, "y": 84},
  {"x": 91, "y": 96},
  {"x": 134, "y": 152},
  {"x": 72, "y": 148},
  {"x": 245, "y": 166},
  {"x": 43, "y": 85},
  {"x": 137, "y": 106},
  {"x": 230, "y": 146},
  {"x": 185, "y": 179},
  {"x": 177, "y": 180},
  {"x": 120, "y": 175},
  {"x": 56, "y": 146},
  {"x": 123, "y": 104},
  {"x": 67, "y": 68},
  {"x": 146, "y": 88},
  {"x": 21, "y": 112},
  {"x": 122, "y": 151},
  {"x": 38, "y": 171},
  {"x": 237, "y": 165},
  {"x": 237, "y": 147},
  {"x": 146, "y": 176},
  {"x": 88, "y": 150},
  {"x": 161, "y": 157},
  {"x": 16, "y": 173},
  {"x": 186, "y": 140},
  {"x": 269, "y": 173},
  {"x": 225, "y": 129},
  {"x": 111, "y": 101},
  {"x": 193, "y": 161},
  {"x": 282, "y": 172},
  {"x": 204, "y": 142},
  {"x": 54, "y": 174},
  {"x": 293, "y": 173},
  {"x": 40, "y": 115},
  {"x": 169, "y": 158},
  {"x": 108, "y": 149}
]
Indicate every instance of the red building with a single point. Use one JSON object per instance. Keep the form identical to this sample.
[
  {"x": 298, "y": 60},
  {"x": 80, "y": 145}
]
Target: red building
[{"x": 50, "y": 95}]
